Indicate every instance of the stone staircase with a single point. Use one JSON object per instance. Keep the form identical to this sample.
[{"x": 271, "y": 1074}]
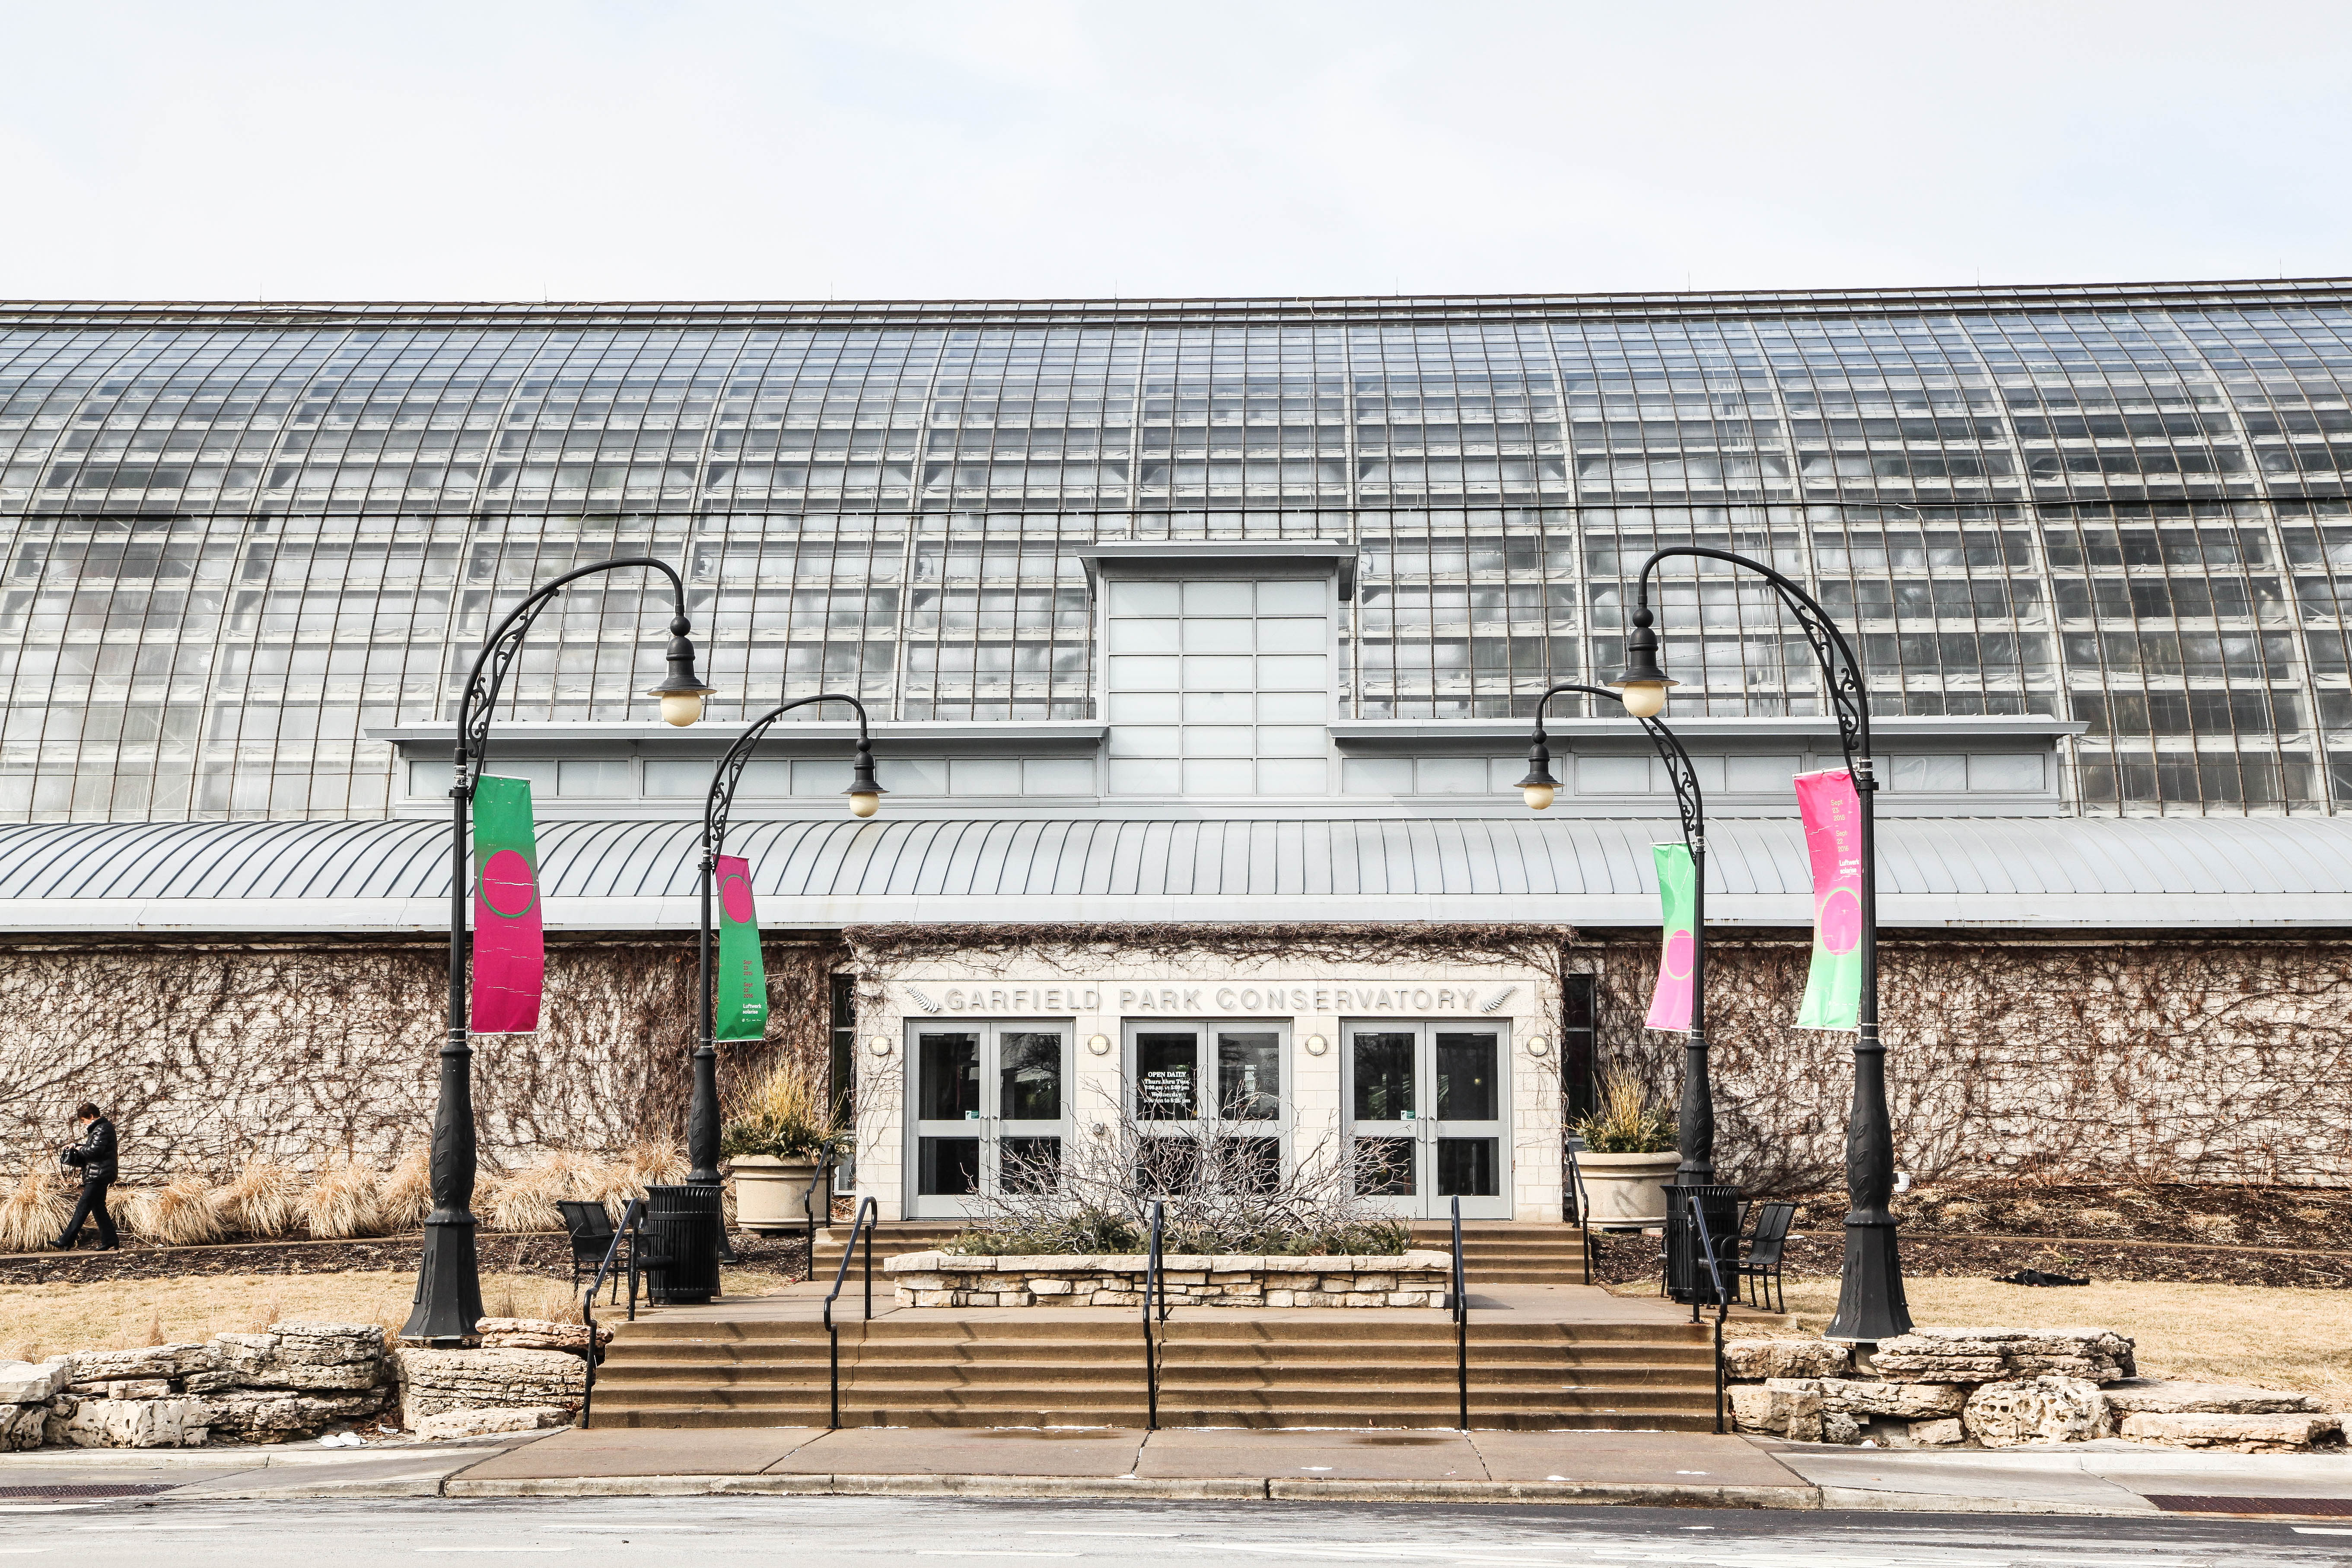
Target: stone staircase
[
  {"x": 1494, "y": 1252},
  {"x": 1043, "y": 1368}
]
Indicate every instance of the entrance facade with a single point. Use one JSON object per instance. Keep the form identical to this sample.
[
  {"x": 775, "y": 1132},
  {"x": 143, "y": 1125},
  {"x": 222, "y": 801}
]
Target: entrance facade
[{"x": 1434, "y": 1082}]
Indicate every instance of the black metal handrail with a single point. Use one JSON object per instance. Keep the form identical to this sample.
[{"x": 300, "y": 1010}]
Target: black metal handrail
[
  {"x": 1584, "y": 1217},
  {"x": 1722, "y": 1302},
  {"x": 1460, "y": 1301},
  {"x": 824, "y": 1154},
  {"x": 588, "y": 1306},
  {"x": 1155, "y": 1294},
  {"x": 862, "y": 1223}
]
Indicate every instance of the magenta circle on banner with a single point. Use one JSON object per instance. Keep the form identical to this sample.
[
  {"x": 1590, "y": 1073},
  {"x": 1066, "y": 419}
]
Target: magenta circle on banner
[
  {"x": 508, "y": 886},
  {"x": 735, "y": 898},
  {"x": 1679, "y": 949},
  {"x": 1839, "y": 920}
]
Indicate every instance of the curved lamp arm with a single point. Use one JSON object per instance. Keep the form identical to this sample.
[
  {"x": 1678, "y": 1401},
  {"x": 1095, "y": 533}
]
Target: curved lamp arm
[
  {"x": 681, "y": 690},
  {"x": 1645, "y": 684},
  {"x": 1538, "y": 786},
  {"x": 864, "y": 794}
]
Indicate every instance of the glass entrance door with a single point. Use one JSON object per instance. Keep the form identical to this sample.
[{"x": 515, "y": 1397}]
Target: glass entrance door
[
  {"x": 989, "y": 1114},
  {"x": 1427, "y": 1117},
  {"x": 1210, "y": 1100}
]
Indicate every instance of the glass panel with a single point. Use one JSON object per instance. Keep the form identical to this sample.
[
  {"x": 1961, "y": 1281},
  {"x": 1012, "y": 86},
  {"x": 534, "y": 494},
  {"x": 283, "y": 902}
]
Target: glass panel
[
  {"x": 1165, "y": 1068},
  {"x": 1170, "y": 1164},
  {"x": 1249, "y": 1076},
  {"x": 1466, "y": 1168},
  {"x": 1383, "y": 1064},
  {"x": 1384, "y": 1167},
  {"x": 1029, "y": 1164},
  {"x": 1254, "y": 1164},
  {"x": 948, "y": 1089},
  {"x": 1466, "y": 1078},
  {"x": 946, "y": 1167},
  {"x": 1029, "y": 1068},
  {"x": 1297, "y": 599}
]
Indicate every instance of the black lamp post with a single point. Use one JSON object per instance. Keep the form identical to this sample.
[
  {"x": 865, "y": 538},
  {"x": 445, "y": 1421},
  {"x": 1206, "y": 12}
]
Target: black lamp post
[
  {"x": 1695, "y": 1123},
  {"x": 448, "y": 1302},
  {"x": 865, "y": 799},
  {"x": 1871, "y": 1304}
]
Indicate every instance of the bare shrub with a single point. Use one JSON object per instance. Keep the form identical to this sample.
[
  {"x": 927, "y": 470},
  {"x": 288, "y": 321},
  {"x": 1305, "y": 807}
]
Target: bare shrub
[
  {"x": 1222, "y": 1193},
  {"x": 178, "y": 1214},
  {"x": 35, "y": 1211},
  {"x": 264, "y": 1200},
  {"x": 345, "y": 1199}
]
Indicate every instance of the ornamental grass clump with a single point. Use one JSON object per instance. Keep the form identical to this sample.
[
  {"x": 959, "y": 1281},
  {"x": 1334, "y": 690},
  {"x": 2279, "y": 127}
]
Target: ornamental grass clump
[
  {"x": 526, "y": 1199},
  {"x": 178, "y": 1214},
  {"x": 786, "y": 1113},
  {"x": 346, "y": 1199},
  {"x": 265, "y": 1200},
  {"x": 35, "y": 1210},
  {"x": 1626, "y": 1122},
  {"x": 405, "y": 1196}
]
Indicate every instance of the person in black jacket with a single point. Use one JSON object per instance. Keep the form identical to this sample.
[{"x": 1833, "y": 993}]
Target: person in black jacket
[{"x": 95, "y": 1155}]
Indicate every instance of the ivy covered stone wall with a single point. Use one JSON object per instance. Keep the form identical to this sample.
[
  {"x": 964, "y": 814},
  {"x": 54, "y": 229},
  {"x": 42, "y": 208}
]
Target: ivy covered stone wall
[
  {"x": 206, "y": 1054},
  {"x": 2167, "y": 1060},
  {"x": 2172, "y": 1059}
]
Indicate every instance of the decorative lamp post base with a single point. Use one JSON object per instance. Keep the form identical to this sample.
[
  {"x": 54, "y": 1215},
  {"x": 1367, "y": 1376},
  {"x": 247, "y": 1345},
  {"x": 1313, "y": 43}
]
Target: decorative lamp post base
[
  {"x": 448, "y": 1310},
  {"x": 1870, "y": 1303}
]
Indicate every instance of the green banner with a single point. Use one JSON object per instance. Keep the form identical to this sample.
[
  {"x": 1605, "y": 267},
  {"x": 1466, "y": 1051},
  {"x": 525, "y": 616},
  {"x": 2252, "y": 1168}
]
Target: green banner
[
  {"x": 1670, "y": 1002},
  {"x": 740, "y": 986}
]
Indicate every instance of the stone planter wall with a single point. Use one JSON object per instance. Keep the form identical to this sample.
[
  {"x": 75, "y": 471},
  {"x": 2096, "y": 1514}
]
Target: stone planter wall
[
  {"x": 293, "y": 1381},
  {"x": 947, "y": 1279},
  {"x": 2003, "y": 1388}
]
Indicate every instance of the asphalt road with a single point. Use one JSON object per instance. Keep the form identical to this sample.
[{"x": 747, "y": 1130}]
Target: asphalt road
[{"x": 820, "y": 1533}]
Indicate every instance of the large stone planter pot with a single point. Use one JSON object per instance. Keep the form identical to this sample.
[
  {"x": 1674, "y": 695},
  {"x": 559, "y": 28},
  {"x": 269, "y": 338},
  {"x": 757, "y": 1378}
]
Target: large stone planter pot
[
  {"x": 1627, "y": 1191},
  {"x": 768, "y": 1193}
]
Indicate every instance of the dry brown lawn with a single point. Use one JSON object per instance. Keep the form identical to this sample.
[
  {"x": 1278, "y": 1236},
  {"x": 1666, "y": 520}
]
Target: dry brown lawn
[
  {"x": 2208, "y": 1334},
  {"x": 46, "y": 1319}
]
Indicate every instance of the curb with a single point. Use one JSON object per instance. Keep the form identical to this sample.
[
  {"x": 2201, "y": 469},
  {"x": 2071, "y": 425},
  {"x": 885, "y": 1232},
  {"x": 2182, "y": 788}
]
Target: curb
[
  {"x": 1646, "y": 1494},
  {"x": 1862, "y": 1499}
]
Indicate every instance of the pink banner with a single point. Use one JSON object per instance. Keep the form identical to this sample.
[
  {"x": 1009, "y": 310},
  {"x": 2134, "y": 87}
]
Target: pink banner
[
  {"x": 510, "y": 947},
  {"x": 1833, "y": 815}
]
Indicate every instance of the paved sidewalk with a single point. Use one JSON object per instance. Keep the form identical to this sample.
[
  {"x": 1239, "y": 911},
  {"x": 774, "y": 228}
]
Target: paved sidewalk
[{"x": 1656, "y": 1468}]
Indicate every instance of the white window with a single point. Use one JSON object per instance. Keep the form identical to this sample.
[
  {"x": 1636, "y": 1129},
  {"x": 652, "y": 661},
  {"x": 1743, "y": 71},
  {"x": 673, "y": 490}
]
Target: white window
[{"x": 1219, "y": 687}]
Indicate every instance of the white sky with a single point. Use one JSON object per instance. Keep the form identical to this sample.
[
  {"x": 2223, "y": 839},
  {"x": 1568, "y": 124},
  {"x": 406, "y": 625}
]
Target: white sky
[{"x": 682, "y": 149}]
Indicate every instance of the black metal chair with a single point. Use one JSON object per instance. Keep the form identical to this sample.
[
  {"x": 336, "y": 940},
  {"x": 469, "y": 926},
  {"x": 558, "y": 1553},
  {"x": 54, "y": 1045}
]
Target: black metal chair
[
  {"x": 591, "y": 1226},
  {"x": 1759, "y": 1266}
]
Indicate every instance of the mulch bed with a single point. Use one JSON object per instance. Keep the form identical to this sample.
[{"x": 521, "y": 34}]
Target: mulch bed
[
  {"x": 547, "y": 1253},
  {"x": 2143, "y": 1232}
]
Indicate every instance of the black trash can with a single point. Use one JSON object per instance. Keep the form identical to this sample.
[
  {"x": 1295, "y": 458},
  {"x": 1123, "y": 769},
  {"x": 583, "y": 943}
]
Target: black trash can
[
  {"x": 683, "y": 1227},
  {"x": 1688, "y": 1279}
]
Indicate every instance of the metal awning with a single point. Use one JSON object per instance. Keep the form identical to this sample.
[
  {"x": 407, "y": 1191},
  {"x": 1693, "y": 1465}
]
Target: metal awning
[{"x": 2030, "y": 873}]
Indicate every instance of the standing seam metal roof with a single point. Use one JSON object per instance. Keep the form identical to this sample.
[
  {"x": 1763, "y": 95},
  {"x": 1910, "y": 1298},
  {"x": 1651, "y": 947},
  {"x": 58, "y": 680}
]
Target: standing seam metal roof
[{"x": 1090, "y": 857}]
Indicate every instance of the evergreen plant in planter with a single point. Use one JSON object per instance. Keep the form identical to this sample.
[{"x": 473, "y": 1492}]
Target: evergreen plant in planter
[
  {"x": 776, "y": 1145},
  {"x": 1629, "y": 1157}
]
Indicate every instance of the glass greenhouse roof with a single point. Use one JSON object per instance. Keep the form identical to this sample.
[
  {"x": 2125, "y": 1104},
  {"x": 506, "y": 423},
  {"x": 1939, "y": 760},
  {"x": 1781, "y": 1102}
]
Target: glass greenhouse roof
[{"x": 238, "y": 535}]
